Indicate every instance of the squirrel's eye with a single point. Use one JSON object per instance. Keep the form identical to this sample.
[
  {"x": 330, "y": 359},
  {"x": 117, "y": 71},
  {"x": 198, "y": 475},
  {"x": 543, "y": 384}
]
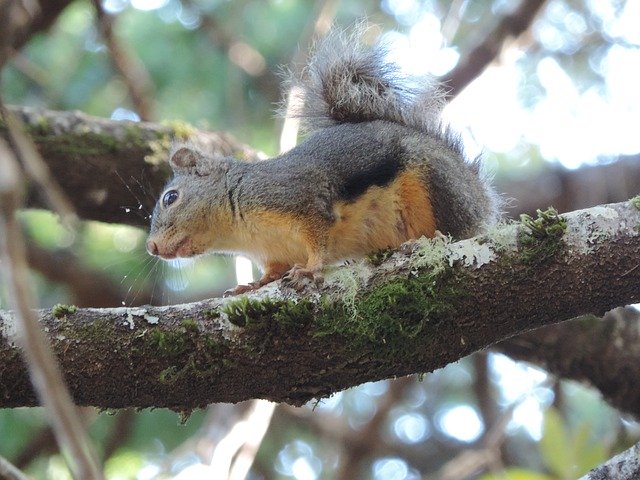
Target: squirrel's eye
[{"x": 170, "y": 197}]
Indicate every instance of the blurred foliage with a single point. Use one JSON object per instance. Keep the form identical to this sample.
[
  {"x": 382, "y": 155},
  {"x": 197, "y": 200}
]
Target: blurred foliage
[
  {"x": 569, "y": 453},
  {"x": 195, "y": 79}
]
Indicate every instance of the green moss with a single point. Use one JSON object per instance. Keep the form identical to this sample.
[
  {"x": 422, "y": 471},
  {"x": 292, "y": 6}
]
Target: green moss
[
  {"x": 377, "y": 258},
  {"x": 180, "y": 129},
  {"x": 393, "y": 315},
  {"x": 243, "y": 311},
  {"x": 169, "y": 375},
  {"x": 159, "y": 150},
  {"x": 41, "y": 124},
  {"x": 635, "y": 201},
  {"x": 59, "y": 310},
  {"x": 541, "y": 237},
  {"x": 171, "y": 343},
  {"x": 192, "y": 353},
  {"x": 134, "y": 135},
  {"x": 76, "y": 143},
  {"x": 251, "y": 313},
  {"x": 213, "y": 313},
  {"x": 190, "y": 325}
]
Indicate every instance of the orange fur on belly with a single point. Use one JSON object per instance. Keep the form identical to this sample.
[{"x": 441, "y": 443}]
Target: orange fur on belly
[{"x": 382, "y": 217}]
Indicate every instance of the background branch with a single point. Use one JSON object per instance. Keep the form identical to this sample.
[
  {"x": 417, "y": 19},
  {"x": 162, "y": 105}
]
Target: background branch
[
  {"x": 602, "y": 352},
  {"x": 9, "y": 472},
  {"x": 488, "y": 48},
  {"x": 88, "y": 287},
  {"x": 131, "y": 69},
  {"x": 111, "y": 170}
]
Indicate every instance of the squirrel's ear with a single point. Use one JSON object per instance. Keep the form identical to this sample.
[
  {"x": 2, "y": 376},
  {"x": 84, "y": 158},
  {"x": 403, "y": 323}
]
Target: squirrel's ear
[{"x": 184, "y": 159}]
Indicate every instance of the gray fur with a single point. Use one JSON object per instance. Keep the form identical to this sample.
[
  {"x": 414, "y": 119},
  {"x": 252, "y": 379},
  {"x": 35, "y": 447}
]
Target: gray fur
[
  {"x": 368, "y": 122},
  {"x": 346, "y": 83}
]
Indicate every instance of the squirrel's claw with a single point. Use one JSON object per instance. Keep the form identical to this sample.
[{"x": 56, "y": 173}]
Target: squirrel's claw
[
  {"x": 299, "y": 277},
  {"x": 269, "y": 276},
  {"x": 240, "y": 289}
]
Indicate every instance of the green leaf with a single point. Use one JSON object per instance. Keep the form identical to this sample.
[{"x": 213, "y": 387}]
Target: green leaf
[
  {"x": 587, "y": 453},
  {"x": 555, "y": 445},
  {"x": 516, "y": 473}
]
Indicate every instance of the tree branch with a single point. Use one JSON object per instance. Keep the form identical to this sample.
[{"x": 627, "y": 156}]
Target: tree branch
[
  {"x": 412, "y": 313},
  {"x": 624, "y": 466},
  {"x": 9, "y": 472},
  {"x": 604, "y": 353},
  {"x": 127, "y": 64},
  {"x": 486, "y": 50},
  {"x": 111, "y": 170},
  {"x": 21, "y": 19}
]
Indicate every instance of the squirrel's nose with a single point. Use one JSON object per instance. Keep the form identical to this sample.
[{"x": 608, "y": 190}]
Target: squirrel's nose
[{"x": 152, "y": 247}]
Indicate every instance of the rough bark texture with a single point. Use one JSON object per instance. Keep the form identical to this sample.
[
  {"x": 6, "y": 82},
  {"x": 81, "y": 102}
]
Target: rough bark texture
[
  {"x": 412, "y": 313},
  {"x": 625, "y": 466},
  {"x": 112, "y": 170}
]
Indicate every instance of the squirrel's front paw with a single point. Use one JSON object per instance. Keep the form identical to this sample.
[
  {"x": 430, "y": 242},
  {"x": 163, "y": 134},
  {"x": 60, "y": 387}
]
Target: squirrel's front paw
[
  {"x": 240, "y": 289},
  {"x": 299, "y": 277}
]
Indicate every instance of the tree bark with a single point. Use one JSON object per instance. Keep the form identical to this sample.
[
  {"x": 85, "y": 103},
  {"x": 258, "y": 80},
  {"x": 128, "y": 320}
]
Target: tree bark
[
  {"x": 412, "y": 313},
  {"x": 624, "y": 466}
]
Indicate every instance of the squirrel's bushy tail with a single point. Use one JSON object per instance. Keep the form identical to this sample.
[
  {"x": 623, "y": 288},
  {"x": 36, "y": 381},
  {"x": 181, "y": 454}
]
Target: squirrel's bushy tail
[{"x": 348, "y": 82}]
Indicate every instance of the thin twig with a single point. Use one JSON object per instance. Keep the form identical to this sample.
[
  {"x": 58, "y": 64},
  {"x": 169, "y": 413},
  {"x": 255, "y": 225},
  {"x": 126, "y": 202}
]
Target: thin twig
[
  {"x": 16, "y": 17},
  {"x": 239, "y": 51},
  {"x": 42, "y": 442},
  {"x": 257, "y": 422},
  {"x": 45, "y": 373},
  {"x": 9, "y": 472},
  {"x": 38, "y": 170},
  {"x": 355, "y": 453},
  {"x": 488, "y": 455},
  {"x": 131, "y": 70},
  {"x": 120, "y": 432}
]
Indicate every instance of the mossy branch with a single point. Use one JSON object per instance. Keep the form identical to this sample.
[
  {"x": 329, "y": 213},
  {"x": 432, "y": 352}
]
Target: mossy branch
[
  {"x": 112, "y": 171},
  {"x": 424, "y": 306}
]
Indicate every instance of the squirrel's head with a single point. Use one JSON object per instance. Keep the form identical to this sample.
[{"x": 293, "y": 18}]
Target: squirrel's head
[{"x": 193, "y": 209}]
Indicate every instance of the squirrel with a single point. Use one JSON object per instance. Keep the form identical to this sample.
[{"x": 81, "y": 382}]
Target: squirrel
[{"x": 377, "y": 169}]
